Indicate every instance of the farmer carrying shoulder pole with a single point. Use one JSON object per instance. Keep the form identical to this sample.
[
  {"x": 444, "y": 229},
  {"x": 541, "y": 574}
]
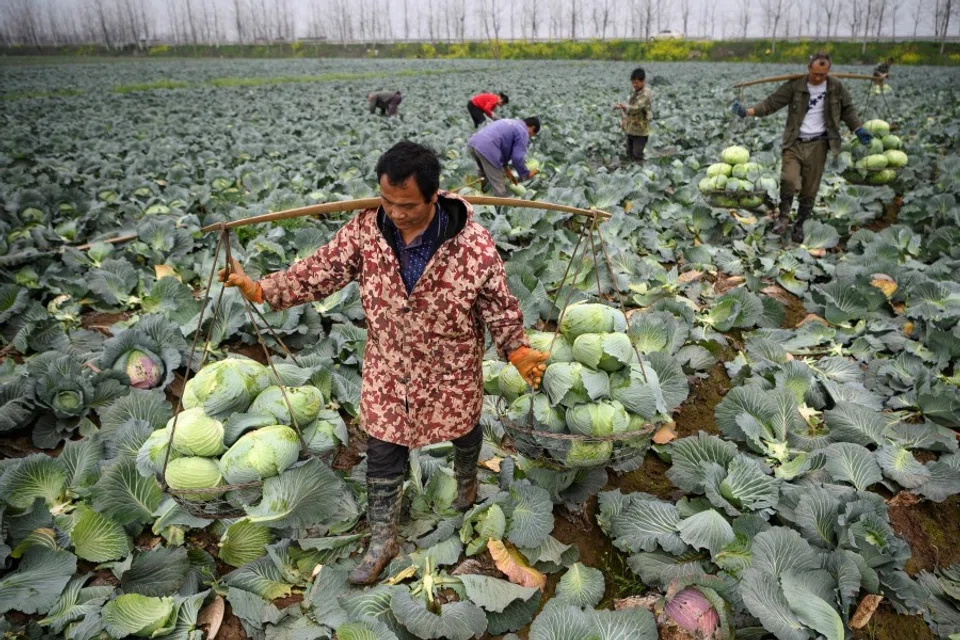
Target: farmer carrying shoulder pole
[
  {"x": 386, "y": 101},
  {"x": 481, "y": 106},
  {"x": 430, "y": 281},
  {"x": 637, "y": 113},
  {"x": 882, "y": 71},
  {"x": 816, "y": 103},
  {"x": 501, "y": 143}
]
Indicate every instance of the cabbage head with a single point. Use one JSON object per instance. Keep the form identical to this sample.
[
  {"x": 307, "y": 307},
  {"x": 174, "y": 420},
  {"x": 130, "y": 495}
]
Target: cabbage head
[
  {"x": 637, "y": 423},
  {"x": 750, "y": 202},
  {"x": 591, "y": 318},
  {"x": 719, "y": 168},
  {"x": 532, "y": 164},
  {"x": 706, "y": 185},
  {"x": 746, "y": 169},
  {"x": 570, "y": 384},
  {"x": 153, "y": 451},
  {"x": 598, "y": 419},
  {"x": 491, "y": 376},
  {"x": 306, "y": 401},
  {"x": 512, "y": 384},
  {"x": 325, "y": 434},
  {"x": 895, "y": 158},
  {"x": 559, "y": 350},
  {"x": 260, "y": 454},
  {"x": 197, "y": 434},
  {"x": 873, "y": 161},
  {"x": 587, "y": 454},
  {"x": 227, "y": 386},
  {"x": 735, "y": 155},
  {"x": 607, "y": 351},
  {"x": 194, "y": 473},
  {"x": 883, "y": 177},
  {"x": 878, "y": 128},
  {"x": 892, "y": 142},
  {"x": 148, "y": 352},
  {"x": 545, "y": 417},
  {"x": 133, "y": 614}
]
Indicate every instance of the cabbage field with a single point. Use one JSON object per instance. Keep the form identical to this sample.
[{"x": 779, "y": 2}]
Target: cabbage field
[{"x": 792, "y": 409}]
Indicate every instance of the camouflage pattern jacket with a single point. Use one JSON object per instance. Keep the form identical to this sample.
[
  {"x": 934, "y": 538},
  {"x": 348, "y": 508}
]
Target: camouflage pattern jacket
[
  {"x": 636, "y": 118},
  {"x": 422, "y": 369}
]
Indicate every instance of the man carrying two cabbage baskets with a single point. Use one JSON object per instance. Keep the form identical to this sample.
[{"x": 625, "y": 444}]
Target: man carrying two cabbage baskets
[
  {"x": 430, "y": 281},
  {"x": 816, "y": 103}
]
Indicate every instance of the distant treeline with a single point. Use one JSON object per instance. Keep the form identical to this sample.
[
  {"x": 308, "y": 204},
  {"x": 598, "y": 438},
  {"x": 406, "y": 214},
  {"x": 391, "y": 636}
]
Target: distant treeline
[{"x": 906, "y": 53}]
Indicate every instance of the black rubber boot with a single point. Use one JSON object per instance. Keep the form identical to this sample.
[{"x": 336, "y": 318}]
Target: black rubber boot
[
  {"x": 802, "y": 214},
  {"x": 465, "y": 470},
  {"x": 384, "y": 497},
  {"x": 783, "y": 218}
]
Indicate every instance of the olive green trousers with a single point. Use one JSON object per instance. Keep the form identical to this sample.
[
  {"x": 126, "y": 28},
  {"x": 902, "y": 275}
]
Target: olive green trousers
[{"x": 802, "y": 170}]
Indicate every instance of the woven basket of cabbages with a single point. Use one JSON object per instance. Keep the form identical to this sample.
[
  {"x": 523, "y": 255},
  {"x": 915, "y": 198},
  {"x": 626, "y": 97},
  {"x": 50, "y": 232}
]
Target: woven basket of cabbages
[{"x": 600, "y": 401}]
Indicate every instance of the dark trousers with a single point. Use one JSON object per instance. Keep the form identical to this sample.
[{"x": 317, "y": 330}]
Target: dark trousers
[
  {"x": 635, "y": 147},
  {"x": 477, "y": 114},
  {"x": 389, "y": 460},
  {"x": 389, "y": 108},
  {"x": 802, "y": 169}
]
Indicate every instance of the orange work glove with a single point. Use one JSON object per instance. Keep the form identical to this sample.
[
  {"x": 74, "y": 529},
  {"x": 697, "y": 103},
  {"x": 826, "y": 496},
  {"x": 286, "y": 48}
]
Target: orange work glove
[
  {"x": 530, "y": 363},
  {"x": 250, "y": 290}
]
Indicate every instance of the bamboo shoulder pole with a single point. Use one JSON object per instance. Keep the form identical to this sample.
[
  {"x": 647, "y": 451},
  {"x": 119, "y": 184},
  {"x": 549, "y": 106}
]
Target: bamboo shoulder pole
[
  {"x": 370, "y": 203},
  {"x": 794, "y": 76}
]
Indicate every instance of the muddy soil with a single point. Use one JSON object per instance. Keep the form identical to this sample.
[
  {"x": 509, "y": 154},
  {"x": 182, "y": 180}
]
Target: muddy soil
[
  {"x": 887, "y": 624},
  {"x": 932, "y": 531},
  {"x": 696, "y": 414},
  {"x": 102, "y": 321}
]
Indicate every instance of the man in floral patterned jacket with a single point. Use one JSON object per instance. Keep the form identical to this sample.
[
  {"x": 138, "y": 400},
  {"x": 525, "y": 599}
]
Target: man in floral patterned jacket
[{"x": 430, "y": 281}]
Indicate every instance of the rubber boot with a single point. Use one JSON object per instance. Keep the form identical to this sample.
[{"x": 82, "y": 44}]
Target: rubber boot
[
  {"x": 783, "y": 219},
  {"x": 803, "y": 212},
  {"x": 465, "y": 470},
  {"x": 384, "y": 497}
]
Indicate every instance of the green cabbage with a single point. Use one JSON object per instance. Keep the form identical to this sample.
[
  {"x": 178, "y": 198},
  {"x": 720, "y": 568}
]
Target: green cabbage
[
  {"x": 153, "y": 451},
  {"x": 873, "y": 161},
  {"x": 607, "y": 351},
  {"x": 545, "y": 417},
  {"x": 194, "y": 473},
  {"x": 570, "y": 384},
  {"x": 325, "y": 434},
  {"x": 877, "y": 128},
  {"x": 598, "y": 419},
  {"x": 591, "y": 318},
  {"x": 226, "y": 386},
  {"x": 260, "y": 454},
  {"x": 517, "y": 189},
  {"x": 895, "y": 158},
  {"x": 707, "y": 185},
  {"x": 512, "y": 384},
  {"x": 637, "y": 423},
  {"x": 750, "y": 202},
  {"x": 491, "y": 376},
  {"x": 883, "y": 177},
  {"x": 532, "y": 164},
  {"x": 559, "y": 348},
  {"x": 735, "y": 155},
  {"x": 743, "y": 170},
  {"x": 892, "y": 142},
  {"x": 133, "y": 614},
  {"x": 306, "y": 401},
  {"x": 587, "y": 454},
  {"x": 719, "y": 168},
  {"x": 197, "y": 434}
]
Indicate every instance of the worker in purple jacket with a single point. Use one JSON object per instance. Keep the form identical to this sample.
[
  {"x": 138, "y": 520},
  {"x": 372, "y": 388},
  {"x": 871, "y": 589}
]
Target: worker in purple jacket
[{"x": 500, "y": 143}]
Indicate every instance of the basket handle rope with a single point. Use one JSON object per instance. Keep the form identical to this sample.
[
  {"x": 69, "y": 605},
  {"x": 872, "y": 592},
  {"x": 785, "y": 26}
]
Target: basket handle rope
[{"x": 223, "y": 243}]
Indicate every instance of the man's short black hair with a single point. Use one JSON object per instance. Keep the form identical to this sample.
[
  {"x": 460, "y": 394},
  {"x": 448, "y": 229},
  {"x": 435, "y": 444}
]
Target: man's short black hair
[
  {"x": 533, "y": 122},
  {"x": 504, "y": 97},
  {"x": 889, "y": 60},
  {"x": 638, "y": 74},
  {"x": 820, "y": 55},
  {"x": 406, "y": 159}
]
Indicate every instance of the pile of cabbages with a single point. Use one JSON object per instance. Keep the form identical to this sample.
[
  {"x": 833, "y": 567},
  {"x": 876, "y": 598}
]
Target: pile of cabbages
[
  {"x": 593, "y": 386},
  {"x": 735, "y": 182},
  {"x": 236, "y": 428},
  {"x": 876, "y": 163}
]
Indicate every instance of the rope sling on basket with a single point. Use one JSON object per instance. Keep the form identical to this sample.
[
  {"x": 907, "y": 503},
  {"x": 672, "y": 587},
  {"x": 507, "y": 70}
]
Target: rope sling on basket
[
  {"x": 549, "y": 448},
  {"x": 226, "y": 500}
]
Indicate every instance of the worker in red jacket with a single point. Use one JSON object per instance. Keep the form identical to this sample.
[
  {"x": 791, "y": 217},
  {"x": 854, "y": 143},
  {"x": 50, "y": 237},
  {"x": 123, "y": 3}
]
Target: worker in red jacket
[{"x": 481, "y": 106}]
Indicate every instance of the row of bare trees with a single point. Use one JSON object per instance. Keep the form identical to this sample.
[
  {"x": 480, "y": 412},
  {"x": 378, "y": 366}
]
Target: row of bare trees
[{"x": 124, "y": 22}]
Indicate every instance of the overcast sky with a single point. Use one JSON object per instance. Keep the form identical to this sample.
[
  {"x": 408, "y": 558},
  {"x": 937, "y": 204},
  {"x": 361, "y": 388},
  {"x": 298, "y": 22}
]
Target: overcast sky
[{"x": 385, "y": 19}]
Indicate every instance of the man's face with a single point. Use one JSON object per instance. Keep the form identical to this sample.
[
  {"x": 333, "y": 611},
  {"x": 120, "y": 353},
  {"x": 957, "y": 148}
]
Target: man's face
[
  {"x": 404, "y": 204},
  {"x": 531, "y": 131},
  {"x": 637, "y": 84},
  {"x": 818, "y": 71}
]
